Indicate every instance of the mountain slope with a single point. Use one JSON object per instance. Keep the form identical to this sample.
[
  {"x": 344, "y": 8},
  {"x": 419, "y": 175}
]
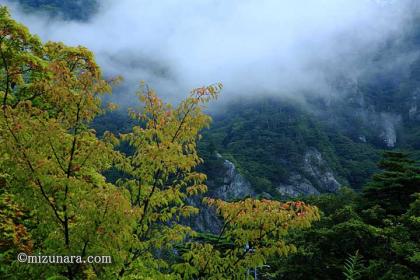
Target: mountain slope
[{"x": 80, "y": 10}]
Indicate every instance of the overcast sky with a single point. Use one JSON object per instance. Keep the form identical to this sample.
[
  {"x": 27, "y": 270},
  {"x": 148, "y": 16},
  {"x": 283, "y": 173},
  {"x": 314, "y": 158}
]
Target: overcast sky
[{"x": 253, "y": 47}]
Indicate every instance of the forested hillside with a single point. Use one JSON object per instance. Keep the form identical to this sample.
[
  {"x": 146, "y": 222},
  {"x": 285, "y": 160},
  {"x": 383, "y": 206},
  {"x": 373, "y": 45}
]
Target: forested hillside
[
  {"x": 69, "y": 10},
  {"x": 273, "y": 140}
]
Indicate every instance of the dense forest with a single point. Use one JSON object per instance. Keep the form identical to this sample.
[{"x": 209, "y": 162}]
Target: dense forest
[
  {"x": 80, "y": 10},
  {"x": 326, "y": 191}
]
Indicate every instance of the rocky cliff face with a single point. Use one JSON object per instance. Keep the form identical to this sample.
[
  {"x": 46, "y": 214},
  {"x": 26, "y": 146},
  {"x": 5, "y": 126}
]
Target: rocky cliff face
[
  {"x": 382, "y": 126},
  {"x": 389, "y": 125},
  {"x": 373, "y": 109},
  {"x": 234, "y": 187},
  {"x": 316, "y": 177},
  {"x": 297, "y": 185}
]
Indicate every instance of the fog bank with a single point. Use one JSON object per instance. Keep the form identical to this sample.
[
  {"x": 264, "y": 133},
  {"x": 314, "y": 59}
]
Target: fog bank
[{"x": 253, "y": 47}]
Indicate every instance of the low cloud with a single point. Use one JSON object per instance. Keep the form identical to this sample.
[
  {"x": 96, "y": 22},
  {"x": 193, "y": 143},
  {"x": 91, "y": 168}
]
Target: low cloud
[{"x": 278, "y": 47}]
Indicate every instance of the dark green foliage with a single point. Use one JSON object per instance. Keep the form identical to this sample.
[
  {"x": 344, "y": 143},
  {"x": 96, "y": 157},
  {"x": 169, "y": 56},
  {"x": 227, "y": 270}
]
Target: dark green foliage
[
  {"x": 213, "y": 165},
  {"x": 67, "y": 9},
  {"x": 388, "y": 246},
  {"x": 115, "y": 122},
  {"x": 351, "y": 267},
  {"x": 392, "y": 188},
  {"x": 357, "y": 159},
  {"x": 267, "y": 138}
]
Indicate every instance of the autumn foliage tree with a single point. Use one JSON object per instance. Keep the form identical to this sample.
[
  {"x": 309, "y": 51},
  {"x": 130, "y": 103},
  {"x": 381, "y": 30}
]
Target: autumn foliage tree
[
  {"x": 49, "y": 95},
  {"x": 161, "y": 175},
  {"x": 254, "y": 231},
  {"x": 55, "y": 199}
]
